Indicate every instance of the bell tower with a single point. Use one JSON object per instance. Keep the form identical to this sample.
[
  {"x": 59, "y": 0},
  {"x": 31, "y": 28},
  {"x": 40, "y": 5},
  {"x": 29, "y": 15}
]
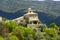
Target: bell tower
[
  {"x": 30, "y": 10},
  {"x": 31, "y": 17}
]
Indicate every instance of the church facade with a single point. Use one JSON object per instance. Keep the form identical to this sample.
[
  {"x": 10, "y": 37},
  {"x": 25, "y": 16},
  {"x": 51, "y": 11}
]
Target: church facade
[{"x": 30, "y": 19}]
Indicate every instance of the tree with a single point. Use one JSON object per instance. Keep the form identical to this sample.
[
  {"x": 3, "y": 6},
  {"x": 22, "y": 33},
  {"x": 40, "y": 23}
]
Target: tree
[
  {"x": 10, "y": 24},
  {"x": 12, "y": 37},
  {"x": 4, "y": 31},
  {"x": 24, "y": 33},
  {"x": 54, "y": 26},
  {"x": 51, "y": 33},
  {"x": 1, "y": 38}
]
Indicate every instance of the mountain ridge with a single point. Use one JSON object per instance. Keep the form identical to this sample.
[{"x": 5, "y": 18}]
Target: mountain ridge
[
  {"x": 48, "y": 12},
  {"x": 43, "y": 17},
  {"x": 52, "y": 8}
]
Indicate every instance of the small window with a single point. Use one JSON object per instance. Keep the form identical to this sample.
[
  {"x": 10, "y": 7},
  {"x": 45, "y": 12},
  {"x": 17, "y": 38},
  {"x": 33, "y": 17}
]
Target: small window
[
  {"x": 31, "y": 22},
  {"x": 34, "y": 22},
  {"x": 21, "y": 20}
]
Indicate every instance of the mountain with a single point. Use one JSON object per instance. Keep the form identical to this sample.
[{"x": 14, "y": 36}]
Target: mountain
[
  {"x": 57, "y": 20},
  {"x": 43, "y": 17},
  {"x": 48, "y": 12},
  {"x": 52, "y": 7},
  {"x": 11, "y": 16}
]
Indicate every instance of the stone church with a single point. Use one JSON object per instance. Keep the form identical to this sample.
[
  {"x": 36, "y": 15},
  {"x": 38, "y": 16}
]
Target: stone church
[{"x": 30, "y": 19}]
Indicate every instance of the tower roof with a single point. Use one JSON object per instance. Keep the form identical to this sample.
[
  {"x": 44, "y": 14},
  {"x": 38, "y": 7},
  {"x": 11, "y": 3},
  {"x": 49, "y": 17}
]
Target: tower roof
[{"x": 29, "y": 11}]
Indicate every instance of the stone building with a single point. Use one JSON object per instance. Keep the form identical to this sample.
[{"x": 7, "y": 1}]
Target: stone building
[
  {"x": 30, "y": 18},
  {"x": 1, "y": 19}
]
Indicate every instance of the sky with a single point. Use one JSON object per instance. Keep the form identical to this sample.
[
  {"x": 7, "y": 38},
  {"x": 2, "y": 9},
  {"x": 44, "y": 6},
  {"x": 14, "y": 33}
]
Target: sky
[
  {"x": 34, "y": 0},
  {"x": 43, "y": 0},
  {"x": 56, "y": 0}
]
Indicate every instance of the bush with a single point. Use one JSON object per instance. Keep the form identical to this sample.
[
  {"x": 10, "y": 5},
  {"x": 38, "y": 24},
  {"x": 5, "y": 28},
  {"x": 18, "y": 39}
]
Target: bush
[
  {"x": 12, "y": 37},
  {"x": 24, "y": 33},
  {"x": 54, "y": 26},
  {"x": 10, "y": 24},
  {"x": 1, "y": 38},
  {"x": 52, "y": 33}
]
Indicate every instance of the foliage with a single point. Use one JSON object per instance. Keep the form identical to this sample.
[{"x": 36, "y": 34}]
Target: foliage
[
  {"x": 20, "y": 32},
  {"x": 3, "y": 30},
  {"x": 12, "y": 37},
  {"x": 54, "y": 26},
  {"x": 22, "y": 23},
  {"x": 1, "y": 38},
  {"x": 52, "y": 32},
  {"x": 10, "y": 24},
  {"x": 25, "y": 33}
]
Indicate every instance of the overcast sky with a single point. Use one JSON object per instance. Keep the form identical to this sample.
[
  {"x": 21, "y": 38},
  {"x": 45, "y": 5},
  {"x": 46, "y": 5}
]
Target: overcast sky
[
  {"x": 43, "y": 0},
  {"x": 56, "y": 0}
]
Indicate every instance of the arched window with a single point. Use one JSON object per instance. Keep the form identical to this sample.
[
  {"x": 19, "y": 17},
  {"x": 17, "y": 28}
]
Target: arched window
[{"x": 34, "y": 22}]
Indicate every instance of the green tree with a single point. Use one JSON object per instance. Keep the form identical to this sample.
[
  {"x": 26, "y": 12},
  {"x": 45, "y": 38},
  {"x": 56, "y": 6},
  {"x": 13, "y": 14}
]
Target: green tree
[
  {"x": 51, "y": 33},
  {"x": 24, "y": 33},
  {"x": 12, "y": 37},
  {"x": 1, "y": 38},
  {"x": 10, "y": 24},
  {"x": 54, "y": 26}
]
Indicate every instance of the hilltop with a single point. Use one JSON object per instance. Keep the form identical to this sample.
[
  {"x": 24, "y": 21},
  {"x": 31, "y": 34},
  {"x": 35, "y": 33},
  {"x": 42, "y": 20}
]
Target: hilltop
[
  {"x": 52, "y": 8},
  {"x": 48, "y": 12}
]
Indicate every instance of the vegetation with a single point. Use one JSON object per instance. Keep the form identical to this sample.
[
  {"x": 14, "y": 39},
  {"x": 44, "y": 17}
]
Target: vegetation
[
  {"x": 12, "y": 37},
  {"x": 10, "y": 24},
  {"x": 20, "y": 32},
  {"x": 1, "y": 38}
]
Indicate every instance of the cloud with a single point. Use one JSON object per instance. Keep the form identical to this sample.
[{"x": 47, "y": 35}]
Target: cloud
[
  {"x": 34, "y": 0},
  {"x": 56, "y": 0},
  {"x": 41, "y": 0}
]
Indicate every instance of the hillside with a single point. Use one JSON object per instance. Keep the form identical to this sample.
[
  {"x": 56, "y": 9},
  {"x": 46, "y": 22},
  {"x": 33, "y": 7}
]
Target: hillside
[
  {"x": 44, "y": 18},
  {"x": 52, "y": 8},
  {"x": 48, "y": 12}
]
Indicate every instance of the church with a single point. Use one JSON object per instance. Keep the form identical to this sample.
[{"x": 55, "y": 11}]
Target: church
[{"x": 30, "y": 19}]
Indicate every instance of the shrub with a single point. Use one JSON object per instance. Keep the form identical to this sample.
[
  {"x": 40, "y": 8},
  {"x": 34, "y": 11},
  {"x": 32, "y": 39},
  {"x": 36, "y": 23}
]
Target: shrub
[
  {"x": 1, "y": 38},
  {"x": 24, "y": 33},
  {"x": 10, "y": 24},
  {"x": 12, "y": 37}
]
